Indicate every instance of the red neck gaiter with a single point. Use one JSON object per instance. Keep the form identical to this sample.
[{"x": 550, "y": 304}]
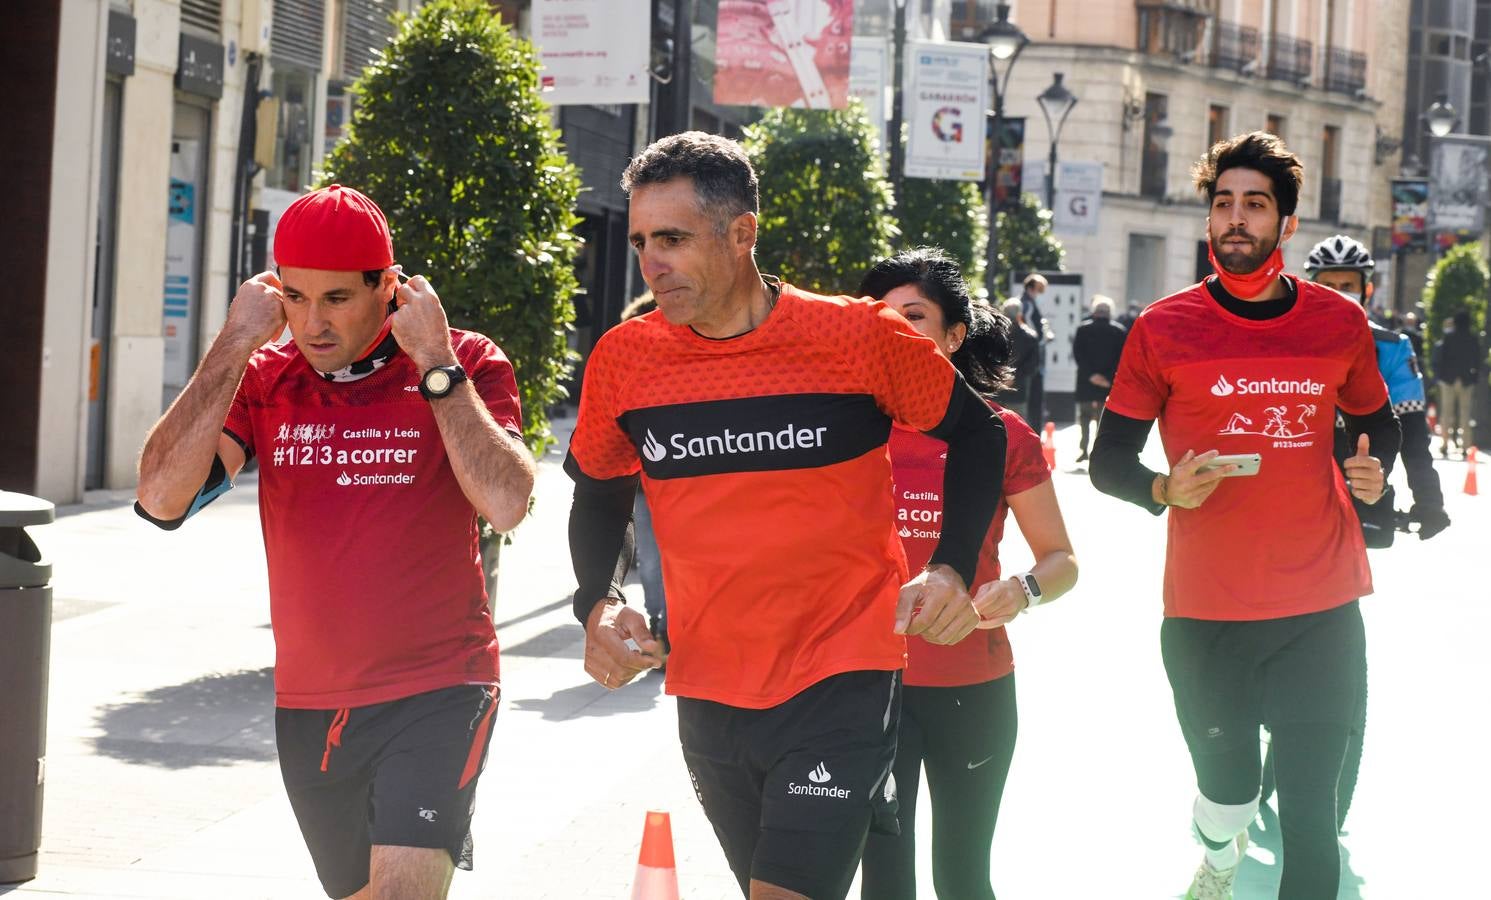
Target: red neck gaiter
[{"x": 1246, "y": 287}]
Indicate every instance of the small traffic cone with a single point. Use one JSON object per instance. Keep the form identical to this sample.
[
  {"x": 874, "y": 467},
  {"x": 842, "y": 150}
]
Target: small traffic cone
[
  {"x": 657, "y": 877},
  {"x": 1048, "y": 445},
  {"x": 1470, "y": 485},
  {"x": 1431, "y": 418}
]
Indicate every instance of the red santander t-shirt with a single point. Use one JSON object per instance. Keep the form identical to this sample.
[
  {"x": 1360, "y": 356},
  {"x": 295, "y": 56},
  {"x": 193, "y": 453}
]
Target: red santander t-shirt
[
  {"x": 917, "y": 464},
  {"x": 1286, "y": 541},
  {"x": 375, "y": 581}
]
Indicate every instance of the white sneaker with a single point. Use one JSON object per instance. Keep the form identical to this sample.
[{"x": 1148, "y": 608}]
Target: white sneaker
[{"x": 1216, "y": 884}]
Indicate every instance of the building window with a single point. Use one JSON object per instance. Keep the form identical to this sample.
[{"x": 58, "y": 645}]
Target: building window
[
  {"x": 1274, "y": 125},
  {"x": 1152, "y": 172},
  {"x": 1216, "y": 125},
  {"x": 295, "y": 90},
  {"x": 1167, "y": 31}
]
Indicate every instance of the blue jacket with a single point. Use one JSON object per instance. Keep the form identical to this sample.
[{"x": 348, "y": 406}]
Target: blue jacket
[{"x": 1400, "y": 369}]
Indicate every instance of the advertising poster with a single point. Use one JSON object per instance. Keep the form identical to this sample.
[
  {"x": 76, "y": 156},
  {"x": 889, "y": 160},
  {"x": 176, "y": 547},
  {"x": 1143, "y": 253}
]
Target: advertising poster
[
  {"x": 1458, "y": 169},
  {"x": 944, "y": 100},
  {"x": 593, "y": 51},
  {"x": 1079, "y": 197},
  {"x": 784, "y": 53},
  {"x": 1410, "y": 214}
]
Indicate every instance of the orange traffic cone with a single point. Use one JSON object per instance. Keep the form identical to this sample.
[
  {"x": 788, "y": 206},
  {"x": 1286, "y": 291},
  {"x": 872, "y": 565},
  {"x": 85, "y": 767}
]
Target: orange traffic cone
[
  {"x": 1470, "y": 486},
  {"x": 1048, "y": 445},
  {"x": 1431, "y": 418},
  {"x": 657, "y": 877}
]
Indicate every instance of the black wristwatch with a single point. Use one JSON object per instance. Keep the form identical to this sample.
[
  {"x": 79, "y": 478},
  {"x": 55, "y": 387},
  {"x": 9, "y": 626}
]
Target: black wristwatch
[{"x": 441, "y": 380}]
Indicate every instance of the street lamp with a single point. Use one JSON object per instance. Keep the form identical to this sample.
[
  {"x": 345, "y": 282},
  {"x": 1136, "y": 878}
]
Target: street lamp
[
  {"x": 1005, "y": 40},
  {"x": 1441, "y": 116},
  {"x": 1056, "y": 104}
]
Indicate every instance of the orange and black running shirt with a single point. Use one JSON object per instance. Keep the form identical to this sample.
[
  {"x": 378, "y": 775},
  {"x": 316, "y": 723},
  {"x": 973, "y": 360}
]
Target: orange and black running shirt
[
  {"x": 375, "y": 580},
  {"x": 1286, "y": 541},
  {"x": 764, "y": 462}
]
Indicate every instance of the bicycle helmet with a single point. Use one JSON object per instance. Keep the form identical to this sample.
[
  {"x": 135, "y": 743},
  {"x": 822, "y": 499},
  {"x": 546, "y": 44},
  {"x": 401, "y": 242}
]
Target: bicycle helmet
[{"x": 1340, "y": 252}]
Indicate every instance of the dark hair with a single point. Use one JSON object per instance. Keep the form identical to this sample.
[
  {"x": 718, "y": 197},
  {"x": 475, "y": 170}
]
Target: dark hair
[
  {"x": 1461, "y": 318},
  {"x": 641, "y": 306},
  {"x": 984, "y": 355},
  {"x": 1260, "y": 151},
  {"x": 722, "y": 176},
  {"x": 373, "y": 277}
]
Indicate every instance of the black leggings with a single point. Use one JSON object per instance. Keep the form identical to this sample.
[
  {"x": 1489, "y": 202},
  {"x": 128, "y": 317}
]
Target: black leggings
[
  {"x": 965, "y": 738},
  {"x": 1303, "y": 677}
]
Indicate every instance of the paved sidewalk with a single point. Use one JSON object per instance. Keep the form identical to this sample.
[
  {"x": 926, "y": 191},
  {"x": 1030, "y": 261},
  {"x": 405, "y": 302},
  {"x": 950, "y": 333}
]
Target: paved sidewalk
[{"x": 162, "y": 780}]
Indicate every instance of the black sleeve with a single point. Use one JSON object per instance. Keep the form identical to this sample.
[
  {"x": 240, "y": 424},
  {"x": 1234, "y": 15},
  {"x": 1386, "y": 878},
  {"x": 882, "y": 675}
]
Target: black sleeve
[
  {"x": 216, "y": 485},
  {"x": 600, "y": 536},
  {"x": 972, "y": 481},
  {"x": 1115, "y": 468},
  {"x": 1384, "y": 436}
]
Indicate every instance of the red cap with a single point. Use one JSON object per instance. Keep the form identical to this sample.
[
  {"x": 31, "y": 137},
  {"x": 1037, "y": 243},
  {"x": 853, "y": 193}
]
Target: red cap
[{"x": 335, "y": 228}]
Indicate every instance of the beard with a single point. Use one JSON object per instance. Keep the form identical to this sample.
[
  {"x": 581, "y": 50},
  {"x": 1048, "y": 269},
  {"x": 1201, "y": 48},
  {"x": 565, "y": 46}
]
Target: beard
[{"x": 1242, "y": 262}]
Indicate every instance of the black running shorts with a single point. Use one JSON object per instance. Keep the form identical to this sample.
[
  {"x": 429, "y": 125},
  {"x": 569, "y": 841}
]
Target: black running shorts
[
  {"x": 1230, "y": 677},
  {"x": 793, "y": 790},
  {"x": 401, "y": 773}
]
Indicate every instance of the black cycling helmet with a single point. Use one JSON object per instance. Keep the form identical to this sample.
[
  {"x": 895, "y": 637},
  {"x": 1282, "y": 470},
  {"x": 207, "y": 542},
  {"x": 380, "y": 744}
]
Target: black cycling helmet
[{"x": 1340, "y": 252}]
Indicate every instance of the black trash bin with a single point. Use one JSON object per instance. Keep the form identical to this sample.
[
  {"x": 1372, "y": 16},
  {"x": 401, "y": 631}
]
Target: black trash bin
[{"x": 25, "y": 645}]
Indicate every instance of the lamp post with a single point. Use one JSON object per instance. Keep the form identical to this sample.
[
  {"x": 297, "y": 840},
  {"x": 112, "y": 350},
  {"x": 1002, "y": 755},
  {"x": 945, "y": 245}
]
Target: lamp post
[
  {"x": 1005, "y": 40},
  {"x": 1441, "y": 116},
  {"x": 1056, "y": 104}
]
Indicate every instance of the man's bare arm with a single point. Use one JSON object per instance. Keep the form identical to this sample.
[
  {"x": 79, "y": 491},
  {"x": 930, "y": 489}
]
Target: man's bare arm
[{"x": 180, "y": 448}]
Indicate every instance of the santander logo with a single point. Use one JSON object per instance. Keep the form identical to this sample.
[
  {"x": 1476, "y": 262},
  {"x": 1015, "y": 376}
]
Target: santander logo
[
  {"x": 652, "y": 449},
  {"x": 344, "y": 480},
  {"x": 1222, "y": 388},
  {"x": 819, "y": 775}
]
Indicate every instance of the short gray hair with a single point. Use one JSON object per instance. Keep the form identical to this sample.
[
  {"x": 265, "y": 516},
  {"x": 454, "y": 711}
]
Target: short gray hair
[
  {"x": 1103, "y": 303},
  {"x": 1012, "y": 309},
  {"x": 723, "y": 179}
]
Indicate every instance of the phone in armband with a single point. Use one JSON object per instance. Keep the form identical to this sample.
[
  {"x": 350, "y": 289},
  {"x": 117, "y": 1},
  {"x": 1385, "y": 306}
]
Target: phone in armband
[{"x": 1245, "y": 463}]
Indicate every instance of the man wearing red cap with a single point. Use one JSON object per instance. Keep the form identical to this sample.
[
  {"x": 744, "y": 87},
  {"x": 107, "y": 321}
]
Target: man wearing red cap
[{"x": 382, "y": 434}]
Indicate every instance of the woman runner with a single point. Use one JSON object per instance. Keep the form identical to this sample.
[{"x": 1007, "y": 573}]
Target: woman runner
[{"x": 958, "y": 715}]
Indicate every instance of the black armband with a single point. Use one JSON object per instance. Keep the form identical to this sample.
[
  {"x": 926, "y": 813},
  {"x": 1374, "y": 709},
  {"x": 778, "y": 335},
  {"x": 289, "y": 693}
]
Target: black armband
[
  {"x": 216, "y": 485},
  {"x": 972, "y": 480},
  {"x": 601, "y": 539},
  {"x": 1384, "y": 435},
  {"x": 1115, "y": 468}
]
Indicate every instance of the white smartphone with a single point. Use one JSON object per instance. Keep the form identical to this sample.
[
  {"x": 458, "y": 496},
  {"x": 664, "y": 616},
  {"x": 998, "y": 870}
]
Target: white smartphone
[{"x": 1246, "y": 463}]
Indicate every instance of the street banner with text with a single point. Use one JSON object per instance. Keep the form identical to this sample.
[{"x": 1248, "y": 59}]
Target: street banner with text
[
  {"x": 946, "y": 93},
  {"x": 1458, "y": 169},
  {"x": 1410, "y": 214},
  {"x": 869, "y": 76},
  {"x": 1079, "y": 197},
  {"x": 593, "y": 52}
]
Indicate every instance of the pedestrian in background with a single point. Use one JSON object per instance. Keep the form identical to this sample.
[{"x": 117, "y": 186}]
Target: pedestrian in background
[
  {"x": 1035, "y": 285},
  {"x": 1096, "y": 347},
  {"x": 382, "y": 434},
  {"x": 1457, "y": 364},
  {"x": 958, "y": 712},
  {"x": 1025, "y": 358}
]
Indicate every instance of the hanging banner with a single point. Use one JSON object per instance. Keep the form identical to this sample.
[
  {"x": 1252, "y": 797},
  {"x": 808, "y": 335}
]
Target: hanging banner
[
  {"x": 947, "y": 90},
  {"x": 1079, "y": 197},
  {"x": 1009, "y": 163},
  {"x": 1410, "y": 214},
  {"x": 869, "y": 76},
  {"x": 784, "y": 53},
  {"x": 1458, "y": 170},
  {"x": 593, "y": 52}
]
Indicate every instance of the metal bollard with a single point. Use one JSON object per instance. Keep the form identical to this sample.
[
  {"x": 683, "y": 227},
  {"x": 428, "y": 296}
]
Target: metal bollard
[{"x": 25, "y": 645}]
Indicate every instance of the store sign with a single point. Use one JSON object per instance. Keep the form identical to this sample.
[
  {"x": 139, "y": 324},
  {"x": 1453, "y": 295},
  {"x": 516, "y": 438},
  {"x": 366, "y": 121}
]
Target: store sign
[
  {"x": 946, "y": 93},
  {"x": 593, "y": 52},
  {"x": 119, "y": 48},
  {"x": 1079, "y": 197},
  {"x": 199, "y": 67},
  {"x": 181, "y": 262}
]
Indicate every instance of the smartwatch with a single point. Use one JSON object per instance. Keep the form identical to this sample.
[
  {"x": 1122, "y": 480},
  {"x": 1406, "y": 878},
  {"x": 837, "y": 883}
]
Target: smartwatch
[
  {"x": 440, "y": 381},
  {"x": 1032, "y": 590}
]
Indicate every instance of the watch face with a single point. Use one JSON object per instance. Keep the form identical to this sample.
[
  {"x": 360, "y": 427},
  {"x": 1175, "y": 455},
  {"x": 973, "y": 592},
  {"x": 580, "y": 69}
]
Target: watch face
[
  {"x": 1032, "y": 585},
  {"x": 437, "y": 381}
]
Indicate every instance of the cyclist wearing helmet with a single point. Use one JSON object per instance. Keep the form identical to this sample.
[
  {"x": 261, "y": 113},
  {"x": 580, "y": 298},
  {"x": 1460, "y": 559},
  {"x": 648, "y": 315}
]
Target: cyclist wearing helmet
[{"x": 1343, "y": 263}]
